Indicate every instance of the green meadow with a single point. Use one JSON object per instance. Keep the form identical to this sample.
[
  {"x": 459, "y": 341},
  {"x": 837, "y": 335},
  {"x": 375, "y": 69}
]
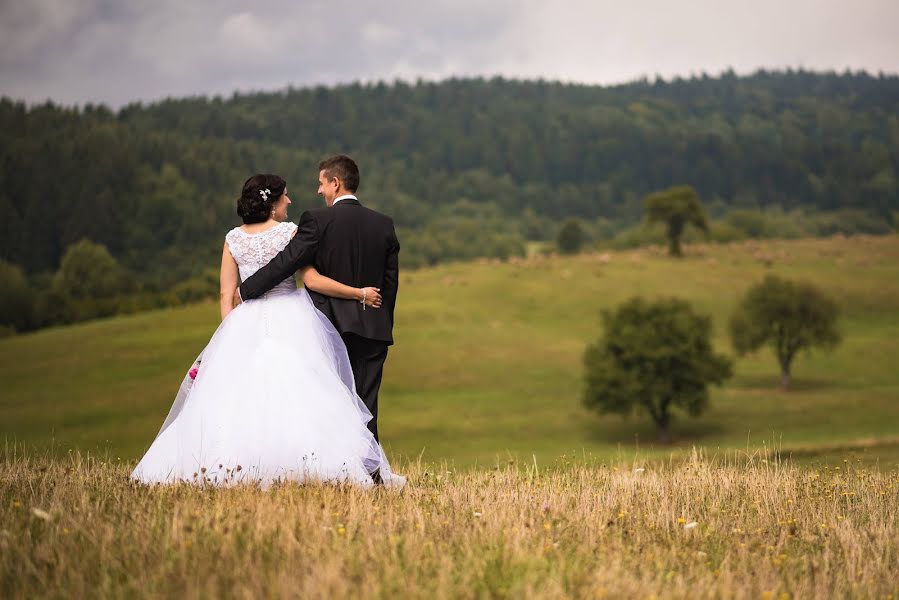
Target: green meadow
[{"x": 487, "y": 366}]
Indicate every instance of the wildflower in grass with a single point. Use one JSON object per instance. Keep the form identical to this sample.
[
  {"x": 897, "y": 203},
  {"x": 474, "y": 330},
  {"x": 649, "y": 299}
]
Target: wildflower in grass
[
  {"x": 681, "y": 520},
  {"x": 40, "y": 514}
]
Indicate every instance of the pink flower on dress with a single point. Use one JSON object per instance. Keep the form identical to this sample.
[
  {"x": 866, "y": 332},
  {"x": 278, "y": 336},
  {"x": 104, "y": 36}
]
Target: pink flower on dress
[{"x": 193, "y": 373}]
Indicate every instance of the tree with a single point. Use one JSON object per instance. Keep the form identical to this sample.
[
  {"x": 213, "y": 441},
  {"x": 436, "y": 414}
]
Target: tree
[
  {"x": 788, "y": 315},
  {"x": 571, "y": 237},
  {"x": 16, "y": 299},
  {"x": 676, "y": 207},
  {"x": 88, "y": 270},
  {"x": 654, "y": 356}
]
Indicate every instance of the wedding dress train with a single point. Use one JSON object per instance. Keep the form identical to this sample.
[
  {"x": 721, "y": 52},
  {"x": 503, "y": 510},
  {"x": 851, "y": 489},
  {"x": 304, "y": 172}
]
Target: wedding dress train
[{"x": 271, "y": 397}]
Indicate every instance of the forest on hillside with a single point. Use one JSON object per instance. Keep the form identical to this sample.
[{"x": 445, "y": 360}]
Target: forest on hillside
[{"x": 466, "y": 167}]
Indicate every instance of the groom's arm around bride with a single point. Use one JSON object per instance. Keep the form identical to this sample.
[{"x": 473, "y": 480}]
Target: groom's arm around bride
[
  {"x": 299, "y": 253},
  {"x": 347, "y": 242}
]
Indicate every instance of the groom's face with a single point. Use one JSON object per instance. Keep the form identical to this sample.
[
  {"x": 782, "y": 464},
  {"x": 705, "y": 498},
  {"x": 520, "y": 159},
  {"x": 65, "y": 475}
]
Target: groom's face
[{"x": 327, "y": 188}]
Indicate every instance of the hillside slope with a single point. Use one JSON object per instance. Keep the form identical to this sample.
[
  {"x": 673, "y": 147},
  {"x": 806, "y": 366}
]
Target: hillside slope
[{"x": 488, "y": 358}]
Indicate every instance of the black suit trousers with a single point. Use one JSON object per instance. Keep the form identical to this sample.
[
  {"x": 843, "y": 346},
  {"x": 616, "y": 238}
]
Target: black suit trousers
[{"x": 367, "y": 361}]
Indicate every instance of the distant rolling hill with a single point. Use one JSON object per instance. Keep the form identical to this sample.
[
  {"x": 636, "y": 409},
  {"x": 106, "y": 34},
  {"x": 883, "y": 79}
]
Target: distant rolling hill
[{"x": 155, "y": 183}]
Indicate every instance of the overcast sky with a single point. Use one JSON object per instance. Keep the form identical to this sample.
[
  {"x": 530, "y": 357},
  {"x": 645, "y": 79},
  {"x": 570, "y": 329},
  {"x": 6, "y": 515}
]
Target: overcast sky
[{"x": 74, "y": 51}]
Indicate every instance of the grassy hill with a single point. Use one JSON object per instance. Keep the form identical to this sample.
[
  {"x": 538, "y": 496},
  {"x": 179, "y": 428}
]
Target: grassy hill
[{"x": 488, "y": 360}]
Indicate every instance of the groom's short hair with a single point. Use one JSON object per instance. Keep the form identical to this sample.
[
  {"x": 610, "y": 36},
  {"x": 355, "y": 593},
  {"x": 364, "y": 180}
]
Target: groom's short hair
[{"x": 343, "y": 168}]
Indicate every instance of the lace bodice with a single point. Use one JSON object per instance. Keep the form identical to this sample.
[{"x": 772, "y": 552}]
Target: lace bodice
[{"x": 253, "y": 251}]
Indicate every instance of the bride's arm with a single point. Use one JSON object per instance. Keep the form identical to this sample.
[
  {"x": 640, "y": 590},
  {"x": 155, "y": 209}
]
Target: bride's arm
[
  {"x": 317, "y": 282},
  {"x": 228, "y": 281}
]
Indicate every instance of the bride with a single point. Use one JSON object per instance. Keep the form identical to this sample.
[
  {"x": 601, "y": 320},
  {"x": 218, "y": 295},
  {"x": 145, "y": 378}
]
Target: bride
[{"x": 271, "y": 397}]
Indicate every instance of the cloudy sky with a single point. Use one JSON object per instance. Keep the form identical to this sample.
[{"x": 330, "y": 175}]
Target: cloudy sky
[{"x": 116, "y": 51}]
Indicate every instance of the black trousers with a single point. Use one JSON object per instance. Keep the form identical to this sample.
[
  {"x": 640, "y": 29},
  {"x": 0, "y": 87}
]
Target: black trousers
[{"x": 367, "y": 361}]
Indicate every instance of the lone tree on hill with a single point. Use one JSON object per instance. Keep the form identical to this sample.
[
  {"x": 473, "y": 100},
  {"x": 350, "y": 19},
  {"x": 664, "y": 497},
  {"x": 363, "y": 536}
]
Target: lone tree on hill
[
  {"x": 789, "y": 315},
  {"x": 654, "y": 355},
  {"x": 571, "y": 237},
  {"x": 676, "y": 207}
]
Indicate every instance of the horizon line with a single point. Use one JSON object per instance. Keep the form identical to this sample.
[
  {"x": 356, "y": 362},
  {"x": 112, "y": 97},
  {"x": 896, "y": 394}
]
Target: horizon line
[{"x": 654, "y": 79}]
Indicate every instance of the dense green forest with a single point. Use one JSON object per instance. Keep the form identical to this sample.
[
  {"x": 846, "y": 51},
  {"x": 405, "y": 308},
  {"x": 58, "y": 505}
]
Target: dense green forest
[{"x": 467, "y": 168}]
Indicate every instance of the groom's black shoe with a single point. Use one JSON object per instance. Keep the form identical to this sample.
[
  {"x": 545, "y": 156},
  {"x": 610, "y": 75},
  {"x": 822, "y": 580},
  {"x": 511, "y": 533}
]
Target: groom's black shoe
[{"x": 376, "y": 477}]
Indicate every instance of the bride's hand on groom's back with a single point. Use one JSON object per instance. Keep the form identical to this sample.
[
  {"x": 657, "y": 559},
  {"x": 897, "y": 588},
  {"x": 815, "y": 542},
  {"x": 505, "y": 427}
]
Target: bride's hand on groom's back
[{"x": 371, "y": 296}]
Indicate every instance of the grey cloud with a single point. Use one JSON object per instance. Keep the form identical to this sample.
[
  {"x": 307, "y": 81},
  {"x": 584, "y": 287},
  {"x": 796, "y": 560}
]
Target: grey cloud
[{"x": 101, "y": 50}]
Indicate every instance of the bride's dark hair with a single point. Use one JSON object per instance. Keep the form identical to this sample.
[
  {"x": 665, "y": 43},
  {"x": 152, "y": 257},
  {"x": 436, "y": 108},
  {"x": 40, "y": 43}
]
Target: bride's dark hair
[{"x": 259, "y": 193}]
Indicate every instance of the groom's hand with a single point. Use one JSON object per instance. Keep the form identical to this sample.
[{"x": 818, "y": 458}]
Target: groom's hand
[{"x": 236, "y": 299}]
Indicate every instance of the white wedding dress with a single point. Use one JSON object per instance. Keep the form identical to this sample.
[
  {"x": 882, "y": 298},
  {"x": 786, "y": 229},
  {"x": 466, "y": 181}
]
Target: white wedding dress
[{"x": 273, "y": 398}]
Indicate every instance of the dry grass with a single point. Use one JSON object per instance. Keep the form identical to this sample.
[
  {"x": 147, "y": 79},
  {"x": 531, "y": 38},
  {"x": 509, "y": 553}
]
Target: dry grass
[{"x": 763, "y": 528}]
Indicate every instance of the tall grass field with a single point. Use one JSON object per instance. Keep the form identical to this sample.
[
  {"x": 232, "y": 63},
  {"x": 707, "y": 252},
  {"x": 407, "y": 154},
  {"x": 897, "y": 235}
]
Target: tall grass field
[{"x": 698, "y": 528}]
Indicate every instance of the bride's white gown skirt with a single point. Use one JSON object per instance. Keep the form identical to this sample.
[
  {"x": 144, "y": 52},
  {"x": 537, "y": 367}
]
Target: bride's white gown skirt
[{"x": 273, "y": 400}]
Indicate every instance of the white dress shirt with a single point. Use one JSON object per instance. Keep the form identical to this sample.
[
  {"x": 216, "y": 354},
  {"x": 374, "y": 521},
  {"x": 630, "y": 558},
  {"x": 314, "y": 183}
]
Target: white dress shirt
[{"x": 344, "y": 197}]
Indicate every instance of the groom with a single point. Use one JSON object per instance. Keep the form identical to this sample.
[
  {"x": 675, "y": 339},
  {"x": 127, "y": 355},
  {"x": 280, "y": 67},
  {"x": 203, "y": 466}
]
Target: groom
[{"x": 355, "y": 246}]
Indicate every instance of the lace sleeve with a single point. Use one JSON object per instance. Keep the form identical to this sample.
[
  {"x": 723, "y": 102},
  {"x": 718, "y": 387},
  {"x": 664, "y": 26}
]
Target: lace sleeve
[{"x": 282, "y": 235}]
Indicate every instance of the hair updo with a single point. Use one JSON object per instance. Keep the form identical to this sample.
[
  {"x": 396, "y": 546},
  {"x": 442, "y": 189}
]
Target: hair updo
[{"x": 259, "y": 193}]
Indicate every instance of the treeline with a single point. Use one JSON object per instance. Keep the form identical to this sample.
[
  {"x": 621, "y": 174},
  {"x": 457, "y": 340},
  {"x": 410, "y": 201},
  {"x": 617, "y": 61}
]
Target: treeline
[
  {"x": 90, "y": 283},
  {"x": 467, "y": 168},
  {"x": 743, "y": 224}
]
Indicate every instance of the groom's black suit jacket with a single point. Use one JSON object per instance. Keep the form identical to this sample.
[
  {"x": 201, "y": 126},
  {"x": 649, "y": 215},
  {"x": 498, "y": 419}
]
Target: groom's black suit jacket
[{"x": 351, "y": 244}]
